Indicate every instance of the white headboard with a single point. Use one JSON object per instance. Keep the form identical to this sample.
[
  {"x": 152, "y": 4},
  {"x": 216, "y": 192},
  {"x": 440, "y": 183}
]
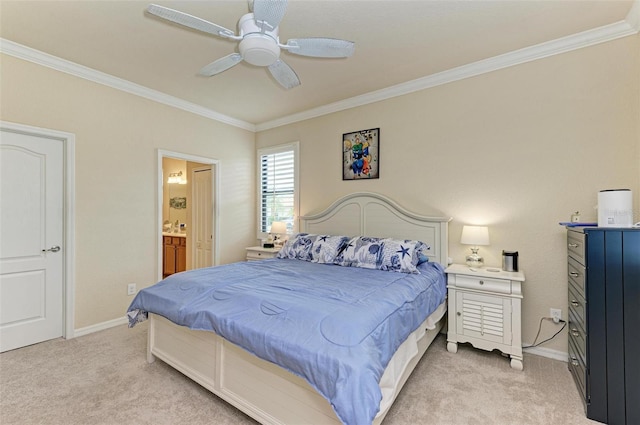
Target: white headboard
[{"x": 371, "y": 214}]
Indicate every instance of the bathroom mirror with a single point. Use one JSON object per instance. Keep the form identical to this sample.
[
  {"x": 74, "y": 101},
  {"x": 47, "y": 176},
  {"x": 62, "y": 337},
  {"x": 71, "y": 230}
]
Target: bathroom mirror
[{"x": 177, "y": 202}]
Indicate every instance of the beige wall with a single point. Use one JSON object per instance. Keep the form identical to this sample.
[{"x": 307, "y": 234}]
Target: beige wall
[
  {"x": 518, "y": 149},
  {"x": 117, "y": 137}
]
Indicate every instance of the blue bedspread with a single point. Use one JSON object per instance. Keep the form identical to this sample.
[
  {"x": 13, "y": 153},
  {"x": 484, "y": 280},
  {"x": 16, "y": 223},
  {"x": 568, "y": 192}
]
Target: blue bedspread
[{"x": 337, "y": 327}]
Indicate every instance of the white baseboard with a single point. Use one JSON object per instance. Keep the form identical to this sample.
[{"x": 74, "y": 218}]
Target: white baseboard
[
  {"x": 546, "y": 352},
  {"x": 100, "y": 326}
]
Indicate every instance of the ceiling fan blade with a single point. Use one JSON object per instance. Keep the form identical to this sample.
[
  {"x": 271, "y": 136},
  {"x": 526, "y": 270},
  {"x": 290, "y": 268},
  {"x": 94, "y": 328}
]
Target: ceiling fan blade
[
  {"x": 189, "y": 21},
  {"x": 269, "y": 13},
  {"x": 221, "y": 65},
  {"x": 284, "y": 74},
  {"x": 320, "y": 47}
]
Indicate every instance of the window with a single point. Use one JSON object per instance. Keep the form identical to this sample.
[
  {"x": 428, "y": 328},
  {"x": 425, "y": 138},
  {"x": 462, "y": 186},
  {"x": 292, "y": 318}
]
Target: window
[{"x": 278, "y": 186}]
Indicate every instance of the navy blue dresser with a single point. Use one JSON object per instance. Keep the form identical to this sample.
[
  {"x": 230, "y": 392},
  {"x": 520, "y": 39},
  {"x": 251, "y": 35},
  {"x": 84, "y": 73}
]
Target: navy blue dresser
[{"x": 604, "y": 321}]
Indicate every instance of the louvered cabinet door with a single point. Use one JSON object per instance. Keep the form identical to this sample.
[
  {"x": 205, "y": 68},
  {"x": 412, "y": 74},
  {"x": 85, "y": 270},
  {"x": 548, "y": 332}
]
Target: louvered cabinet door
[{"x": 484, "y": 317}]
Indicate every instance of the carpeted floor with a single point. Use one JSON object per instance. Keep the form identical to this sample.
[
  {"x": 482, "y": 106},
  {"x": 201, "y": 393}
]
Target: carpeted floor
[{"x": 103, "y": 378}]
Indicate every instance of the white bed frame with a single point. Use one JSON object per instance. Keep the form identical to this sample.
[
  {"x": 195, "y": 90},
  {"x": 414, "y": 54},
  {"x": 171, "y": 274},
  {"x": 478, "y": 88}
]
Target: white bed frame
[{"x": 261, "y": 389}]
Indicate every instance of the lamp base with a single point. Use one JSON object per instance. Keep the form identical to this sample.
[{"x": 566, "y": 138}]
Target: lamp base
[{"x": 473, "y": 259}]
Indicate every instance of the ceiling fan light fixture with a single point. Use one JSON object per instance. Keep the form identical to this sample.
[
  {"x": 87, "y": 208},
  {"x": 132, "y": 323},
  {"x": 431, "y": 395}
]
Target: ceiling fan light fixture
[{"x": 259, "y": 49}]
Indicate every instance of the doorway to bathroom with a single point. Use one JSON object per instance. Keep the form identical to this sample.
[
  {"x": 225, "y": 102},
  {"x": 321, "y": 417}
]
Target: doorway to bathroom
[{"x": 187, "y": 212}]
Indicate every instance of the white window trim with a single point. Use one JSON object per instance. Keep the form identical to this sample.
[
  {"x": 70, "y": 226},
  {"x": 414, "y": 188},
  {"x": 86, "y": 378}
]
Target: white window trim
[{"x": 295, "y": 146}]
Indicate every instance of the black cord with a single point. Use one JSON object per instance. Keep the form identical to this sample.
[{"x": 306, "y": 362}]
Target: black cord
[{"x": 564, "y": 325}]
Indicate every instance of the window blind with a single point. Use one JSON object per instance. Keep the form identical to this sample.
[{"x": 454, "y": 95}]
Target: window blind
[{"x": 277, "y": 189}]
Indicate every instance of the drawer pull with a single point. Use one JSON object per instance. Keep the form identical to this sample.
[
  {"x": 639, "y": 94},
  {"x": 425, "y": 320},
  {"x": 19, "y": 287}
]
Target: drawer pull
[
  {"x": 573, "y": 245},
  {"x": 574, "y": 361},
  {"x": 459, "y": 314},
  {"x": 574, "y": 274},
  {"x": 575, "y": 303},
  {"x": 482, "y": 282},
  {"x": 575, "y": 332}
]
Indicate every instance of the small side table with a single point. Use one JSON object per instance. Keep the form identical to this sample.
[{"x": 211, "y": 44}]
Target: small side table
[
  {"x": 256, "y": 253},
  {"x": 485, "y": 310}
]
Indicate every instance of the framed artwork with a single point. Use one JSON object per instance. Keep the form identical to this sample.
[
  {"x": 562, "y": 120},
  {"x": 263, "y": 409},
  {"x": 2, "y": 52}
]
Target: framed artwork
[
  {"x": 178, "y": 203},
  {"x": 361, "y": 154}
]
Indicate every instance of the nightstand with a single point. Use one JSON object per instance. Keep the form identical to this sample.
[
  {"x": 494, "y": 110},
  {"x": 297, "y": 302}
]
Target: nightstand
[
  {"x": 485, "y": 310},
  {"x": 256, "y": 253}
]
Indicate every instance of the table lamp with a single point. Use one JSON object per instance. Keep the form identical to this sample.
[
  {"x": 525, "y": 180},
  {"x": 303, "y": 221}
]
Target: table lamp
[
  {"x": 278, "y": 228},
  {"x": 475, "y": 235}
]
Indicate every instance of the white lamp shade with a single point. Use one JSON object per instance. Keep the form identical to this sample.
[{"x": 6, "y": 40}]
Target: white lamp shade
[
  {"x": 278, "y": 227},
  {"x": 475, "y": 235}
]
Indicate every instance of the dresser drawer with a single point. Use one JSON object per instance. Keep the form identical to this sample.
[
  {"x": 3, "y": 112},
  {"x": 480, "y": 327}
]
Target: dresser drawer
[
  {"x": 576, "y": 275},
  {"x": 578, "y": 370},
  {"x": 575, "y": 245},
  {"x": 483, "y": 284},
  {"x": 577, "y": 306},
  {"x": 577, "y": 337}
]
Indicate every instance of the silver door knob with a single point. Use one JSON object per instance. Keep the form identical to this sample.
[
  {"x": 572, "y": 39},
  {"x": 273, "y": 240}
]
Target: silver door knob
[{"x": 55, "y": 248}]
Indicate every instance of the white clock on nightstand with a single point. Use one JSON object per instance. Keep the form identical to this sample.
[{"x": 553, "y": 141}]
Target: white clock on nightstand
[{"x": 485, "y": 310}]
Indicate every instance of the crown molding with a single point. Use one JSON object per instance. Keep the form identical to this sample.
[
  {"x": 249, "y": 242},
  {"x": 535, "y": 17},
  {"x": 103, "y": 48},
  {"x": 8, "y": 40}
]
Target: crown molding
[
  {"x": 587, "y": 38},
  {"x": 26, "y": 53},
  {"x": 633, "y": 17}
]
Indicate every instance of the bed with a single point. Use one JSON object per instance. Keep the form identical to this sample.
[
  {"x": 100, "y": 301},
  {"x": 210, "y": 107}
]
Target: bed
[{"x": 277, "y": 388}]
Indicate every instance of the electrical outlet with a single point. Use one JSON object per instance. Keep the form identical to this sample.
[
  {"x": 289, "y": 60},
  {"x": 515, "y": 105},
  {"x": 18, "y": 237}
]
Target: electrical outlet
[
  {"x": 556, "y": 314},
  {"x": 131, "y": 289}
]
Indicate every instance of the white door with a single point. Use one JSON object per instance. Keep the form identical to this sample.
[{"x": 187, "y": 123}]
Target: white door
[
  {"x": 31, "y": 249},
  {"x": 202, "y": 221}
]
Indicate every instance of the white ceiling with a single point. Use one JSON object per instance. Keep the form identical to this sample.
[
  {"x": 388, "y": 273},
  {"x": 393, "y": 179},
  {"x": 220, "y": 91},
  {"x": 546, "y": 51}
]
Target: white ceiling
[{"x": 396, "y": 41}]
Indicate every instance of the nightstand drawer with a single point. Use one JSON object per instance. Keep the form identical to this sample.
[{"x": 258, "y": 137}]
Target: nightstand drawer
[
  {"x": 483, "y": 284},
  {"x": 252, "y": 255},
  {"x": 257, "y": 253}
]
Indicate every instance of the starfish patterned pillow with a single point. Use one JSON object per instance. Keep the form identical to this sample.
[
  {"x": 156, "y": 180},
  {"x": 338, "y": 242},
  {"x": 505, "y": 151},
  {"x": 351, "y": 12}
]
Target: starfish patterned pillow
[
  {"x": 297, "y": 247},
  {"x": 399, "y": 256},
  {"x": 380, "y": 253},
  {"x": 326, "y": 248}
]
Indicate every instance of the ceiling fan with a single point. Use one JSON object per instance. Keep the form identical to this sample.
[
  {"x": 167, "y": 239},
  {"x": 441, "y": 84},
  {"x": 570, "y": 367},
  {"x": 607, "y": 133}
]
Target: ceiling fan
[{"x": 259, "y": 43}]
